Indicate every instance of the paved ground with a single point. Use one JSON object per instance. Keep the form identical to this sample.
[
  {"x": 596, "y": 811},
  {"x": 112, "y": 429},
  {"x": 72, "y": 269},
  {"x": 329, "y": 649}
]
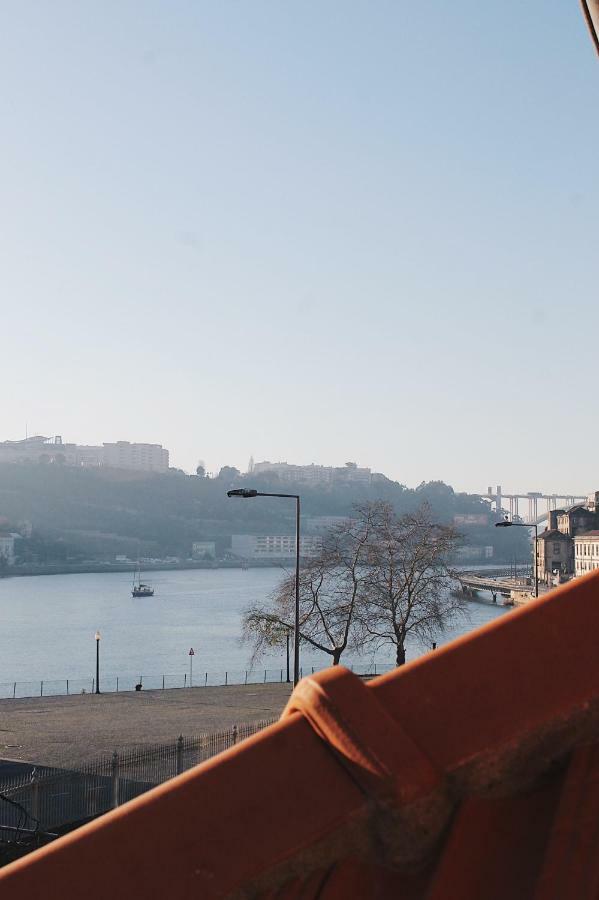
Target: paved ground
[{"x": 67, "y": 730}]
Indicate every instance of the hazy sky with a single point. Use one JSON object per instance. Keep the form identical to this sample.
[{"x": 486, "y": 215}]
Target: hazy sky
[{"x": 312, "y": 231}]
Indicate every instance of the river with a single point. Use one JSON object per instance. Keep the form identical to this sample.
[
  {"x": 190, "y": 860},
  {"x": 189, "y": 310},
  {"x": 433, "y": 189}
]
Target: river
[{"x": 48, "y": 623}]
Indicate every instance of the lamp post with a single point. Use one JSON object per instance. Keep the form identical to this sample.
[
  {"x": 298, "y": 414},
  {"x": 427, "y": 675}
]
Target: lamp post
[
  {"x": 507, "y": 524},
  {"x": 248, "y": 494},
  {"x": 97, "y": 662}
]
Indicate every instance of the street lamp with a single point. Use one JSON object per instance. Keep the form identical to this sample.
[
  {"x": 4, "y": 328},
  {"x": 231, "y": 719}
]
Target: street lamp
[
  {"x": 248, "y": 493},
  {"x": 97, "y": 662},
  {"x": 507, "y": 524}
]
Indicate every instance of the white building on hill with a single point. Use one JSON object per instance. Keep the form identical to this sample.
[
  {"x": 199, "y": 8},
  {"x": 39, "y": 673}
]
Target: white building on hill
[
  {"x": 119, "y": 455},
  {"x": 273, "y": 546}
]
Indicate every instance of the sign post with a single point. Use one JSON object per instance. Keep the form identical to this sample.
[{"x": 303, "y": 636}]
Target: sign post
[{"x": 191, "y": 656}]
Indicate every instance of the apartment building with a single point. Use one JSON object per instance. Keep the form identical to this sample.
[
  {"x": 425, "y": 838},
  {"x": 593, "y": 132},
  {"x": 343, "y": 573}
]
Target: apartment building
[
  {"x": 586, "y": 552},
  {"x": 273, "y": 546},
  {"x": 350, "y": 473},
  {"x": 118, "y": 455}
]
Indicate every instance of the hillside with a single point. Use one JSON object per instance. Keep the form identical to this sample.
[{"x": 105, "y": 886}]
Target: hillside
[{"x": 96, "y": 513}]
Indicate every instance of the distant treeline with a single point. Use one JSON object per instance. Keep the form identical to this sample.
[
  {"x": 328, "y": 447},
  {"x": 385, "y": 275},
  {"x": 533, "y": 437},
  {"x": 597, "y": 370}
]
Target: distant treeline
[{"x": 97, "y": 513}]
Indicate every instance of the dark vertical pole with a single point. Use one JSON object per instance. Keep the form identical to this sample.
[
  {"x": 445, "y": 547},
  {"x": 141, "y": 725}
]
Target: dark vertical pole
[
  {"x": 97, "y": 666},
  {"x": 536, "y": 562},
  {"x": 288, "y": 678},
  {"x": 296, "y": 647}
]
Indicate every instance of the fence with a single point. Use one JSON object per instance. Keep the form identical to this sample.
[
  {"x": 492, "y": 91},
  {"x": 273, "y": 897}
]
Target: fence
[
  {"x": 111, "y": 684},
  {"x": 50, "y": 799}
]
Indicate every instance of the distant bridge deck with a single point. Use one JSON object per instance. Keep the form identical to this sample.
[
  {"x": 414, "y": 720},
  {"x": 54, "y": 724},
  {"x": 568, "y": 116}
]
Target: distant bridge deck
[{"x": 472, "y": 582}]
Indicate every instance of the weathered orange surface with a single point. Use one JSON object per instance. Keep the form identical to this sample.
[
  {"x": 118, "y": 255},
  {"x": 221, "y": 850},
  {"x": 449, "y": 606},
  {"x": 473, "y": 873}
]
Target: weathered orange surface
[{"x": 471, "y": 773}]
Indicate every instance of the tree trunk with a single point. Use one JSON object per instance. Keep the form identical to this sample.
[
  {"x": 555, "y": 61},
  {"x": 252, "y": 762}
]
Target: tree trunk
[
  {"x": 401, "y": 655},
  {"x": 337, "y": 656}
]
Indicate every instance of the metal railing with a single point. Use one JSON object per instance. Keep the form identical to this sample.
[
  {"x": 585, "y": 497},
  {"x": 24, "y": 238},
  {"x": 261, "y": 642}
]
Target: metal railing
[
  {"x": 111, "y": 684},
  {"x": 49, "y": 799}
]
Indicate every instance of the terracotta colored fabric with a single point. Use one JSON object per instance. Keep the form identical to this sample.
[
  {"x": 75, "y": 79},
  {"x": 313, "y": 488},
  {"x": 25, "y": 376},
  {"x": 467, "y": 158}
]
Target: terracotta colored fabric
[{"x": 471, "y": 773}]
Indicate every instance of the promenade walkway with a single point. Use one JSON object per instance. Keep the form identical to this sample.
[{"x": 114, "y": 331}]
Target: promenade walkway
[{"x": 63, "y": 731}]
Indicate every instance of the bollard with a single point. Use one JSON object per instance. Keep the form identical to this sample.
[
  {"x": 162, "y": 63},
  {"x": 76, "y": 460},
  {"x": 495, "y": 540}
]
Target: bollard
[
  {"x": 265, "y": 676},
  {"x": 185, "y": 680},
  {"x": 115, "y": 780},
  {"x": 67, "y": 687},
  {"x": 41, "y": 688},
  {"x": 206, "y": 679},
  {"x": 281, "y": 676},
  {"x": 234, "y": 734},
  {"x": 14, "y": 690},
  {"x": 226, "y": 678},
  {"x": 313, "y": 670},
  {"x": 93, "y": 684},
  {"x": 246, "y": 677},
  {"x": 117, "y": 684},
  {"x": 179, "y": 754},
  {"x": 163, "y": 682}
]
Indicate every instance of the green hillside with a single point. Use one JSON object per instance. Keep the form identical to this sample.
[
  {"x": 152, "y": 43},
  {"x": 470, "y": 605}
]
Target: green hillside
[{"x": 97, "y": 513}]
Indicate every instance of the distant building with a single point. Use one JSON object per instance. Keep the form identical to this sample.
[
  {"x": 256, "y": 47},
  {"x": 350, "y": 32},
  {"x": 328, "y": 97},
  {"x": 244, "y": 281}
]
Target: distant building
[
  {"x": 319, "y": 524},
  {"x": 554, "y": 554},
  {"x": 203, "y": 549},
  {"x": 556, "y": 546},
  {"x": 273, "y": 546},
  {"x": 147, "y": 457},
  {"x": 470, "y": 520},
  {"x": 586, "y": 552},
  {"x": 7, "y": 548},
  {"x": 119, "y": 455},
  {"x": 350, "y": 473}
]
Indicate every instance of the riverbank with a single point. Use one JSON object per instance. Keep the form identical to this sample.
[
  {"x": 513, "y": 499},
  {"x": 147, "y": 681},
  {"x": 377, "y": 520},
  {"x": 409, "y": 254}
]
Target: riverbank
[
  {"x": 99, "y": 568},
  {"x": 69, "y": 731},
  {"x": 105, "y": 567}
]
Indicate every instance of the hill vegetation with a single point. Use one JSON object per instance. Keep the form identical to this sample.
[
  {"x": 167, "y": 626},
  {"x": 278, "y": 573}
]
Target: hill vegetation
[{"x": 75, "y": 513}]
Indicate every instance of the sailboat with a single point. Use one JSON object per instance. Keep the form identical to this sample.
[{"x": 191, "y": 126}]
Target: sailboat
[{"x": 140, "y": 589}]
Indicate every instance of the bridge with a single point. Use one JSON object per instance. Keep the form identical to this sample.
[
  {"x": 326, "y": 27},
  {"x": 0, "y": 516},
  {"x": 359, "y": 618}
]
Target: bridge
[
  {"x": 535, "y": 515},
  {"x": 471, "y": 583}
]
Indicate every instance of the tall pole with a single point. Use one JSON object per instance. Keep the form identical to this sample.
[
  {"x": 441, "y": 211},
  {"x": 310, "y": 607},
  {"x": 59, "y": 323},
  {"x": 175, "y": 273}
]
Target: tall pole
[
  {"x": 97, "y": 662},
  {"x": 536, "y": 562},
  {"x": 296, "y": 645},
  {"x": 288, "y": 678}
]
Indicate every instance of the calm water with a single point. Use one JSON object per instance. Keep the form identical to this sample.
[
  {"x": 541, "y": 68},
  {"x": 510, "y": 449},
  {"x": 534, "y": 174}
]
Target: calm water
[{"x": 47, "y": 626}]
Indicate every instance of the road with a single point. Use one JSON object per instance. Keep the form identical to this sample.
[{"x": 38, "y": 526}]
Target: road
[{"x": 68, "y": 731}]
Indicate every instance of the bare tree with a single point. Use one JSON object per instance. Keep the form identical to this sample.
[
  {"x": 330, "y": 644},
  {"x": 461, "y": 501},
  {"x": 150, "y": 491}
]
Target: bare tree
[
  {"x": 407, "y": 587},
  {"x": 330, "y": 591}
]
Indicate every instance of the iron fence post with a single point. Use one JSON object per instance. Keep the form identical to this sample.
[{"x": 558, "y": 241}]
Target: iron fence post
[
  {"x": 35, "y": 798},
  {"x": 115, "y": 780},
  {"x": 179, "y": 761},
  {"x": 234, "y": 734}
]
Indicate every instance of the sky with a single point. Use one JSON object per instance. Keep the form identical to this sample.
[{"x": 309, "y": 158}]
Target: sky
[{"x": 305, "y": 231}]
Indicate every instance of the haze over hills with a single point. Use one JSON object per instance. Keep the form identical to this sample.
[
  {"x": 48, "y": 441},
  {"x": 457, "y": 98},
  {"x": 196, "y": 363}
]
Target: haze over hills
[{"x": 73, "y": 514}]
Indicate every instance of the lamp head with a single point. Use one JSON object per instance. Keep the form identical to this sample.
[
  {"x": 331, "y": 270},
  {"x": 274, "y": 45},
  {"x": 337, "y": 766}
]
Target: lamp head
[
  {"x": 97, "y": 635},
  {"x": 243, "y": 492}
]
